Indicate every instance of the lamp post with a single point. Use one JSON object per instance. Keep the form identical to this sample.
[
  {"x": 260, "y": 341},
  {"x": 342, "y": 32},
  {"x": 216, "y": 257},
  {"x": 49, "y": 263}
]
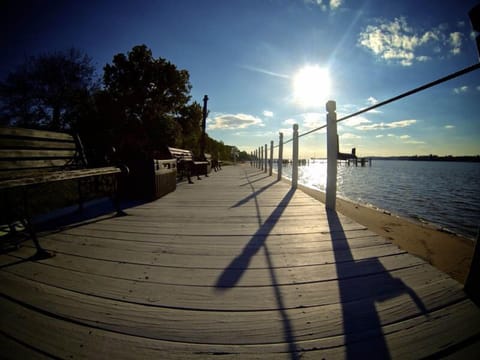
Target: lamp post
[{"x": 204, "y": 125}]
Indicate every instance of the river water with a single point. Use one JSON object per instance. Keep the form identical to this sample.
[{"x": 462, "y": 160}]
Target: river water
[{"x": 446, "y": 194}]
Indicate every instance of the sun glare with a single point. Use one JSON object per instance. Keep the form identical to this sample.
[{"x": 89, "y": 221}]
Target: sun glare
[{"x": 311, "y": 86}]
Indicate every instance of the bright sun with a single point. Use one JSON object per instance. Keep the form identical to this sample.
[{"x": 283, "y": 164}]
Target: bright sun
[{"x": 311, "y": 86}]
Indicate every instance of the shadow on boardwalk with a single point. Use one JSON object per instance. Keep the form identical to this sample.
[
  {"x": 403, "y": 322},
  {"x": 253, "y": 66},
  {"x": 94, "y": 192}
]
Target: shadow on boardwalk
[
  {"x": 359, "y": 294},
  {"x": 233, "y": 273},
  {"x": 362, "y": 327}
]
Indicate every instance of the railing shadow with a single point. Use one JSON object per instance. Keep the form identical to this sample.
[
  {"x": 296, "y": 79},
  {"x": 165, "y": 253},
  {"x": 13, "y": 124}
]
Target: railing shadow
[
  {"x": 252, "y": 181},
  {"x": 232, "y": 274},
  {"x": 254, "y": 194},
  {"x": 358, "y": 295}
]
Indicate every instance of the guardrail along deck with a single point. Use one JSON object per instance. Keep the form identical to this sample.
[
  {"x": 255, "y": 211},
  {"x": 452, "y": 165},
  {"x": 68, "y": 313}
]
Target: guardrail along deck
[{"x": 237, "y": 265}]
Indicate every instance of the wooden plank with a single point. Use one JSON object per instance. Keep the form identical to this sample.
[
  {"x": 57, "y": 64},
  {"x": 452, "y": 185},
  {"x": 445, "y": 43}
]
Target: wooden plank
[
  {"x": 256, "y": 260},
  {"x": 18, "y": 154},
  {"x": 32, "y": 164},
  {"x": 32, "y": 133},
  {"x": 230, "y": 245},
  {"x": 12, "y": 349},
  {"x": 15, "y": 143},
  {"x": 203, "y": 276},
  {"x": 223, "y": 295},
  {"x": 181, "y": 325},
  {"x": 93, "y": 342},
  {"x": 354, "y": 237},
  {"x": 53, "y": 176},
  {"x": 30, "y": 326}
]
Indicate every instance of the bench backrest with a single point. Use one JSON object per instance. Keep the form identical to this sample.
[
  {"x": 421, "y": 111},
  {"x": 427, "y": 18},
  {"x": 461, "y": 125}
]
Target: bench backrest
[
  {"x": 181, "y": 154},
  {"x": 28, "y": 151}
]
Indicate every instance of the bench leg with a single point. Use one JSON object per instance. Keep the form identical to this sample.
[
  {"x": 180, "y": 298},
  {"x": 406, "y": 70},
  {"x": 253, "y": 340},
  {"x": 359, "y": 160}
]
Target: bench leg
[
  {"x": 41, "y": 252},
  {"x": 116, "y": 200},
  {"x": 116, "y": 203}
]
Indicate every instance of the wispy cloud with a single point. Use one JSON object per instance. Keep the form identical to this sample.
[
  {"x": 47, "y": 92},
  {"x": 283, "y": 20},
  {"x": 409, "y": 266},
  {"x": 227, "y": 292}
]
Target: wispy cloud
[
  {"x": 385, "y": 126},
  {"x": 461, "y": 89},
  {"x": 265, "y": 71},
  {"x": 449, "y": 126},
  {"x": 406, "y": 139},
  {"x": 268, "y": 113},
  {"x": 372, "y": 101},
  {"x": 455, "y": 41},
  {"x": 356, "y": 121},
  {"x": 326, "y": 5},
  {"x": 350, "y": 136},
  {"x": 415, "y": 142},
  {"x": 312, "y": 120},
  {"x": 234, "y": 122},
  {"x": 398, "y": 42}
]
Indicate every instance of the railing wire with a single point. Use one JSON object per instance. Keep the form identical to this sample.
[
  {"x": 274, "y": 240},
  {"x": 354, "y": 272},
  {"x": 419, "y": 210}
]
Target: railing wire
[{"x": 398, "y": 97}]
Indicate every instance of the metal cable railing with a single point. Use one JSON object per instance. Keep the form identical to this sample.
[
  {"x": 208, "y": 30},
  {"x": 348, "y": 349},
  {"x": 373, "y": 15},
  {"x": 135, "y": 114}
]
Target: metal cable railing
[{"x": 395, "y": 98}]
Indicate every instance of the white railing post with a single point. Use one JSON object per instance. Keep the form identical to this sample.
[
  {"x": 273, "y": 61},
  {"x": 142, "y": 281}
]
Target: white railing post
[
  {"x": 295, "y": 157},
  {"x": 280, "y": 157},
  {"x": 270, "y": 168},
  {"x": 266, "y": 158},
  {"x": 332, "y": 146},
  {"x": 261, "y": 157}
]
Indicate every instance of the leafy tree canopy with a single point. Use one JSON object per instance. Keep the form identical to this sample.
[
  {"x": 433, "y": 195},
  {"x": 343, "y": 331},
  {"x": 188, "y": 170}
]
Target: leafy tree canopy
[
  {"x": 149, "y": 99},
  {"x": 48, "y": 91}
]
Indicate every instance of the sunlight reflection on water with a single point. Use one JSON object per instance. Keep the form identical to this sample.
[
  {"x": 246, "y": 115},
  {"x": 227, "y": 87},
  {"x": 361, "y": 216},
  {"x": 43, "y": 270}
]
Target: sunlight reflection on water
[{"x": 442, "y": 193}]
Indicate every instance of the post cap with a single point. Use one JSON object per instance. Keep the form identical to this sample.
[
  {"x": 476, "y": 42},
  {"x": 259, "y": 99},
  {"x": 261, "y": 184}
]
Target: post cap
[
  {"x": 331, "y": 106},
  {"x": 295, "y": 127}
]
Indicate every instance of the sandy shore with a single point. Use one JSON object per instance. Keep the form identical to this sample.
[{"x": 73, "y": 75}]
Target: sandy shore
[{"x": 448, "y": 252}]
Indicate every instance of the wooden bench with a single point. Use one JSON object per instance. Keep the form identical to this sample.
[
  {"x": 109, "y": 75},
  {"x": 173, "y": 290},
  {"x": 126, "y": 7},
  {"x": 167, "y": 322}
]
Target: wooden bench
[
  {"x": 186, "y": 165},
  {"x": 29, "y": 158}
]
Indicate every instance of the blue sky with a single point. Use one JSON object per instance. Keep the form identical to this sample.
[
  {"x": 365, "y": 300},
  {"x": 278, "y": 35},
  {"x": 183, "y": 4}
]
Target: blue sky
[{"x": 246, "y": 55}]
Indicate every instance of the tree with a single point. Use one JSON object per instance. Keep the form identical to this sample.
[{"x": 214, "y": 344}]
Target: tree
[
  {"x": 148, "y": 98},
  {"x": 48, "y": 91}
]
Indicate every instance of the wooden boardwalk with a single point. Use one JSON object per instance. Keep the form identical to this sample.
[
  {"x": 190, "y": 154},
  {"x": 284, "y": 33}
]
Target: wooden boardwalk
[{"x": 234, "y": 266}]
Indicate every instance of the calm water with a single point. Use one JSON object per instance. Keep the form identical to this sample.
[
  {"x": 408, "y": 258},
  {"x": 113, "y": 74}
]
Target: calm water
[{"x": 446, "y": 194}]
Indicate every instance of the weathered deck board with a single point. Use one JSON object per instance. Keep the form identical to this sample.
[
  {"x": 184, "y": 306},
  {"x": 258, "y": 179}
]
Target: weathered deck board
[{"x": 236, "y": 265}]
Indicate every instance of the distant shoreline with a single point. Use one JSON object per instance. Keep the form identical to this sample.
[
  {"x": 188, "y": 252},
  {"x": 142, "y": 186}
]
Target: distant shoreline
[
  {"x": 429, "y": 158},
  {"x": 469, "y": 159}
]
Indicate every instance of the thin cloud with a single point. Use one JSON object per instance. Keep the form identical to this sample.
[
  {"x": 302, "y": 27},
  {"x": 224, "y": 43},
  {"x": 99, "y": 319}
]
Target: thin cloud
[
  {"x": 290, "y": 122},
  {"x": 449, "y": 126},
  {"x": 264, "y": 71},
  {"x": 356, "y": 121},
  {"x": 372, "y": 101},
  {"x": 313, "y": 120},
  {"x": 385, "y": 126},
  {"x": 455, "y": 41},
  {"x": 268, "y": 113},
  {"x": 399, "y": 43},
  {"x": 234, "y": 122},
  {"x": 325, "y": 5},
  {"x": 406, "y": 139},
  {"x": 461, "y": 89},
  {"x": 350, "y": 136}
]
